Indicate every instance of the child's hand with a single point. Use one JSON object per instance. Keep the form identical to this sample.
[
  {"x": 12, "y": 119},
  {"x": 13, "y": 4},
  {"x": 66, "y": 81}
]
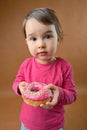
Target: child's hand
[
  {"x": 21, "y": 85},
  {"x": 54, "y": 101}
]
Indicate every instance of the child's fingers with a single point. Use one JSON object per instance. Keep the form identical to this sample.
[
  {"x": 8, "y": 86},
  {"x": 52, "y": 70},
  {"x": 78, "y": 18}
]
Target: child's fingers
[
  {"x": 21, "y": 85},
  {"x": 52, "y": 103},
  {"x": 51, "y": 86},
  {"x": 46, "y": 106}
]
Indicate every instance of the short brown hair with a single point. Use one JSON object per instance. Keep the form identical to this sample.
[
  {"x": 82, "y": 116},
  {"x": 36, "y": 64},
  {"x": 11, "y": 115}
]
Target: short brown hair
[{"x": 46, "y": 16}]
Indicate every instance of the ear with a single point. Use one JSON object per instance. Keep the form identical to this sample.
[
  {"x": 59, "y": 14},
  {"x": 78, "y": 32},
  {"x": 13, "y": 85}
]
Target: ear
[
  {"x": 26, "y": 40},
  {"x": 59, "y": 40}
]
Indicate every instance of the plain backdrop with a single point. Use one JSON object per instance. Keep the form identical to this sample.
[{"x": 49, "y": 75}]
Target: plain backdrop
[{"x": 13, "y": 50}]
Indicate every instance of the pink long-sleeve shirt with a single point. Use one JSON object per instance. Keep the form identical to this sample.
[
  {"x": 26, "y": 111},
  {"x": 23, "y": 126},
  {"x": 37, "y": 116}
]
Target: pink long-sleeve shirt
[{"x": 58, "y": 73}]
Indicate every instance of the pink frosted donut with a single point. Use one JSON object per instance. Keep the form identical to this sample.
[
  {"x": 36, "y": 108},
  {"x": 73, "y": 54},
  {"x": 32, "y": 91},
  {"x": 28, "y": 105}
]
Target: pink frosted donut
[{"x": 35, "y": 94}]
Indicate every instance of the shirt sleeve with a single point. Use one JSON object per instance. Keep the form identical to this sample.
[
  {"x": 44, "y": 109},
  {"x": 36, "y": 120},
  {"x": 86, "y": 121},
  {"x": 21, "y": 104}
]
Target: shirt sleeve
[
  {"x": 67, "y": 93},
  {"x": 19, "y": 78}
]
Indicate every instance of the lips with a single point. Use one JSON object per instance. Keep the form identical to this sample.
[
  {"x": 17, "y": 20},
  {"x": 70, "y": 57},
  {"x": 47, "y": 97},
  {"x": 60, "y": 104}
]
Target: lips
[{"x": 43, "y": 53}]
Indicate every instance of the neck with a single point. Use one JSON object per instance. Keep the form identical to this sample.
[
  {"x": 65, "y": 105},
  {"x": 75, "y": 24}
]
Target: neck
[{"x": 47, "y": 61}]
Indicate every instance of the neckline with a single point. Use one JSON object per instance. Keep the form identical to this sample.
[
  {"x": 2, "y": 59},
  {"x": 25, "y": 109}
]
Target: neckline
[{"x": 49, "y": 64}]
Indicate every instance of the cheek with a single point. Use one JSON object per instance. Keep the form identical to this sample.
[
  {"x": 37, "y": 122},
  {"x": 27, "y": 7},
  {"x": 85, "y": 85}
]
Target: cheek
[
  {"x": 52, "y": 47},
  {"x": 32, "y": 50}
]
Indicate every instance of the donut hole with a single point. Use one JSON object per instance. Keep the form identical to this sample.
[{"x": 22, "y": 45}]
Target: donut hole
[{"x": 34, "y": 89}]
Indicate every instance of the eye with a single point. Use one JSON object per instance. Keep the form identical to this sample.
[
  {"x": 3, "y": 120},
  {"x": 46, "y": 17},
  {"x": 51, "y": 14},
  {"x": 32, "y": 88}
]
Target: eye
[
  {"x": 33, "y": 38},
  {"x": 48, "y": 36}
]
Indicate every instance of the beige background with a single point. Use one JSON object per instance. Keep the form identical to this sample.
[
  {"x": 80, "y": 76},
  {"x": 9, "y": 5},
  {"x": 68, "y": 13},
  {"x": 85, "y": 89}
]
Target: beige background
[{"x": 13, "y": 50}]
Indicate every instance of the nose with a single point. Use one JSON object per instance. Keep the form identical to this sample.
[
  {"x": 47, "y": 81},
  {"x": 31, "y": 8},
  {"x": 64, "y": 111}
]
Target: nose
[{"x": 41, "y": 44}]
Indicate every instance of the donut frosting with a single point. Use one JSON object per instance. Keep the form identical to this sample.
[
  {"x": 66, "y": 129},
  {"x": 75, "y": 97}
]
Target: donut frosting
[{"x": 36, "y": 91}]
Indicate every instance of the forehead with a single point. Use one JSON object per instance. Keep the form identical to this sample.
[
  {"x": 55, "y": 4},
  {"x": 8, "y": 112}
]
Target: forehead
[{"x": 34, "y": 26}]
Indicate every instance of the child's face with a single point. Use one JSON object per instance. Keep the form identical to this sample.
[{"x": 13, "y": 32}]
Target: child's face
[{"x": 42, "y": 40}]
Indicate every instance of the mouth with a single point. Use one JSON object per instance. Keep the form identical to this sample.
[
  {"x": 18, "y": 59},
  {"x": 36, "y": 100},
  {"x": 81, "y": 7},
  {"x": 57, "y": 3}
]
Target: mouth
[{"x": 43, "y": 53}]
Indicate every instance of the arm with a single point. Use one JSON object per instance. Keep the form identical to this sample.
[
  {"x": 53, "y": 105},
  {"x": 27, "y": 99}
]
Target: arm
[
  {"x": 63, "y": 95},
  {"x": 67, "y": 94},
  {"x": 19, "y": 78}
]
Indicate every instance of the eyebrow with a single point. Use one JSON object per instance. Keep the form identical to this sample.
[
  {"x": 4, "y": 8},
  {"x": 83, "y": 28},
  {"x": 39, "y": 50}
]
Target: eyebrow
[{"x": 49, "y": 31}]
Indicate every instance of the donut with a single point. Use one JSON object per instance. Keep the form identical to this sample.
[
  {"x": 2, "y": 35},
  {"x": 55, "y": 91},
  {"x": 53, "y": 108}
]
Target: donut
[{"x": 35, "y": 94}]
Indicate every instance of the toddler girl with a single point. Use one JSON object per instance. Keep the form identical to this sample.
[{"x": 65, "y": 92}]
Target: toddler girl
[{"x": 43, "y": 34}]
